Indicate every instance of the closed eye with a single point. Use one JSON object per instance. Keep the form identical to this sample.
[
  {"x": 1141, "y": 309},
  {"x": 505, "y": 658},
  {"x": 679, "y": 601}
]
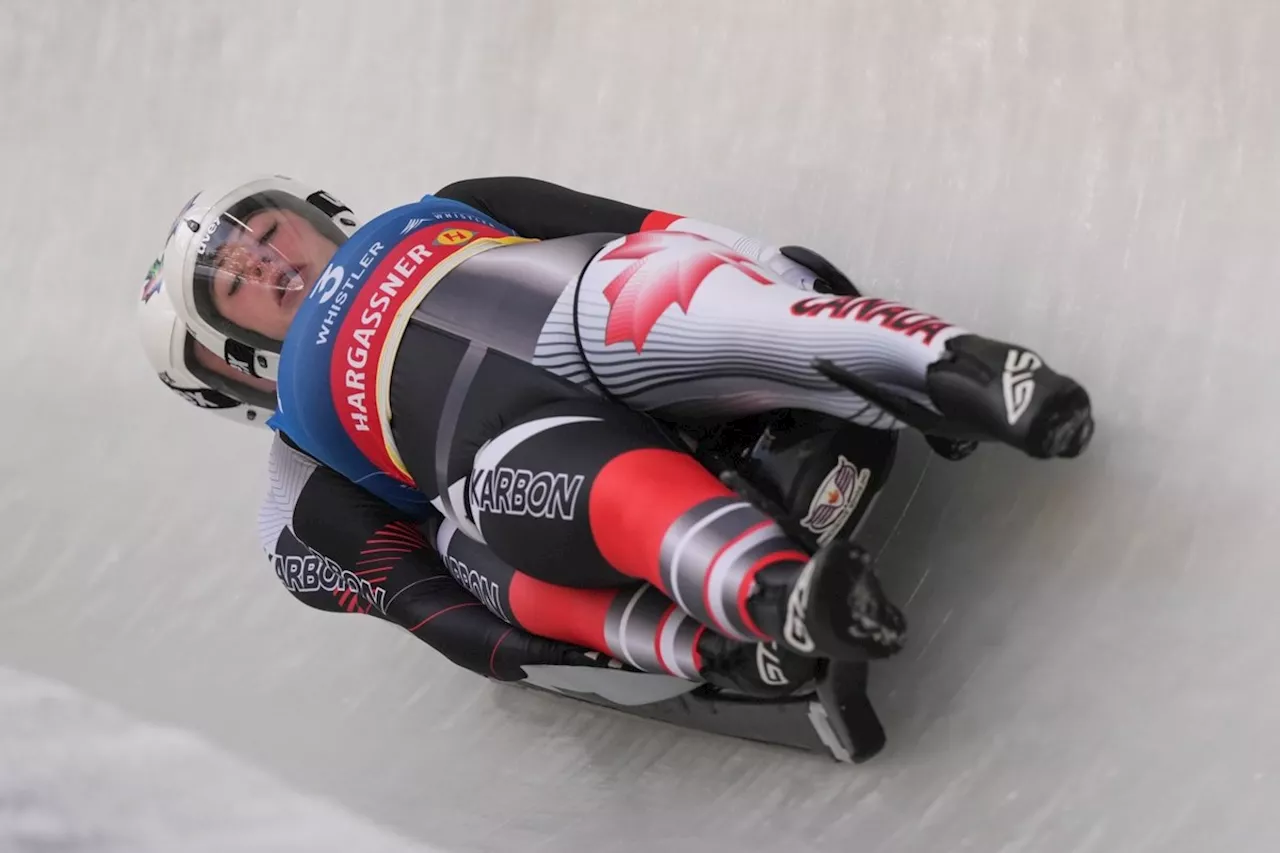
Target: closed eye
[{"x": 269, "y": 233}]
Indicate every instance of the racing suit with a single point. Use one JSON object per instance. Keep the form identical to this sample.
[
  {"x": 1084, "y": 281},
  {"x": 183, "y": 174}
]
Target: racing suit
[
  {"x": 379, "y": 548},
  {"x": 337, "y": 547},
  {"x": 500, "y": 354}
]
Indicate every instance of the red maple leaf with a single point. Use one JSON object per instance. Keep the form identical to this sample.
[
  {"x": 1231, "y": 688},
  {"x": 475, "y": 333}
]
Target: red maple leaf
[{"x": 669, "y": 268}]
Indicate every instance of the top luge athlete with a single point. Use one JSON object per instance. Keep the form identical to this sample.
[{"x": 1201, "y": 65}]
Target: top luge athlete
[{"x": 489, "y": 405}]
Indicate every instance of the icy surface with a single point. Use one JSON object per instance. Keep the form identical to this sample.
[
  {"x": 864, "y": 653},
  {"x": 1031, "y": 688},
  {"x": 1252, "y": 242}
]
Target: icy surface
[
  {"x": 76, "y": 775},
  {"x": 1093, "y": 662}
]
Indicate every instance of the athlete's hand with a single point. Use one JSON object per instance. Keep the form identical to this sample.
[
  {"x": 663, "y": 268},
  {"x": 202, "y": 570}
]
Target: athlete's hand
[
  {"x": 794, "y": 274},
  {"x": 540, "y": 651},
  {"x": 821, "y": 270},
  {"x": 567, "y": 655}
]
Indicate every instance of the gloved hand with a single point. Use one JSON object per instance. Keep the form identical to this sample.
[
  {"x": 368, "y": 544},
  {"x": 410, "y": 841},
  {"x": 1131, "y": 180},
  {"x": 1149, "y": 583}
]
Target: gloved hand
[
  {"x": 822, "y": 275},
  {"x": 793, "y": 273},
  {"x": 535, "y": 651}
]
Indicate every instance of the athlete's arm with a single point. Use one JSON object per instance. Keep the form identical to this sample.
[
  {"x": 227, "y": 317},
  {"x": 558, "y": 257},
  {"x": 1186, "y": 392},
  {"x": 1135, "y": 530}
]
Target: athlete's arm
[
  {"x": 545, "y": 211},
  {"x": 337, "y": 547}
]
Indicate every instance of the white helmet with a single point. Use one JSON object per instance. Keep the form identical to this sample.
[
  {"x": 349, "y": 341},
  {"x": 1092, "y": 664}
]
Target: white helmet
[
  {"x": 192, "y": 372},
  {"x": 241, "y": 261}
]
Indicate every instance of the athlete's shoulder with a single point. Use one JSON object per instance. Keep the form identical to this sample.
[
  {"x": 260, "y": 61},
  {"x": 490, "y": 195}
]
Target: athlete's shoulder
[{"x": 412, "y": 216}]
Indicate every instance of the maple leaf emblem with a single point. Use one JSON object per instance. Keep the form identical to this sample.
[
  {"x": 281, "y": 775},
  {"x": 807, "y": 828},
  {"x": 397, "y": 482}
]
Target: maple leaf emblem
[{"x": 668, "y": 270}]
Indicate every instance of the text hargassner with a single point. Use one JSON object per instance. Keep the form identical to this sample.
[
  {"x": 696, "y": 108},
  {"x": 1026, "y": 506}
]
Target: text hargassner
[{"x": 366, "y": 330}]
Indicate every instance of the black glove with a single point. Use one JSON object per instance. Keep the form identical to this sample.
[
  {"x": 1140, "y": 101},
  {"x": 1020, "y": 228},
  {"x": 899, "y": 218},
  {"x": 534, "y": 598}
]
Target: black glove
[
  {"x": 513, "y": 655},
  {"x": 830, "y": 279}
]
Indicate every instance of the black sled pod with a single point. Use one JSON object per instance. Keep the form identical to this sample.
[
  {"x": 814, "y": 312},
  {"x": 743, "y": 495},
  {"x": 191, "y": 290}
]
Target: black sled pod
[{"x": 832, "y": 717}]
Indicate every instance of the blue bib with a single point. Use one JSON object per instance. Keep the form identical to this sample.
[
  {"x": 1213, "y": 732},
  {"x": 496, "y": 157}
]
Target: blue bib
[{"x": 306, "y": 408}]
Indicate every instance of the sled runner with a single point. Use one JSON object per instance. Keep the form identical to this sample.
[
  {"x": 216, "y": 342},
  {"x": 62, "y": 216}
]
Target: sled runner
[{"x": 835, "y": 718}]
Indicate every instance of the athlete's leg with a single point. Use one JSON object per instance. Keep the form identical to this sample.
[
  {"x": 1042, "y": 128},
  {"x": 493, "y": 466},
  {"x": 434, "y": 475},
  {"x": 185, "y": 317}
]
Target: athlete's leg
[
  {"x": 587, "y": 493},
  {"x": 580, "y": 492},
  {"x": 677, "y": 324},
  {"x": 635, "y": 624}
]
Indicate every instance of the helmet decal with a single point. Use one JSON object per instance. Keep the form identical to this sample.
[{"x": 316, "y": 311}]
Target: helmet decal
[{"x": 151, "y": 286}]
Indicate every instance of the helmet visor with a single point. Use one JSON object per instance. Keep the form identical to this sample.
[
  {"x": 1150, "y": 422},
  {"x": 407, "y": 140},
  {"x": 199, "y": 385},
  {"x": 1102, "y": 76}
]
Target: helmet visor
[
  {"x": 202, "y": 363},
  {"x": 256, "y": 262}
]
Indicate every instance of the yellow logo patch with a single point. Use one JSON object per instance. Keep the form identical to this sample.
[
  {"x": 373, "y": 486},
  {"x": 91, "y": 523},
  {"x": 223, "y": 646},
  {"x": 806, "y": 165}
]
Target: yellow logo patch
[{"x": 454, "y": 237}]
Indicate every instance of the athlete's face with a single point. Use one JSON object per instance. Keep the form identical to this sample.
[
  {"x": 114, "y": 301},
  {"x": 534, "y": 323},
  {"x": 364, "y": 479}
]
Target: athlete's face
[{"x": 264, "y": 272}]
